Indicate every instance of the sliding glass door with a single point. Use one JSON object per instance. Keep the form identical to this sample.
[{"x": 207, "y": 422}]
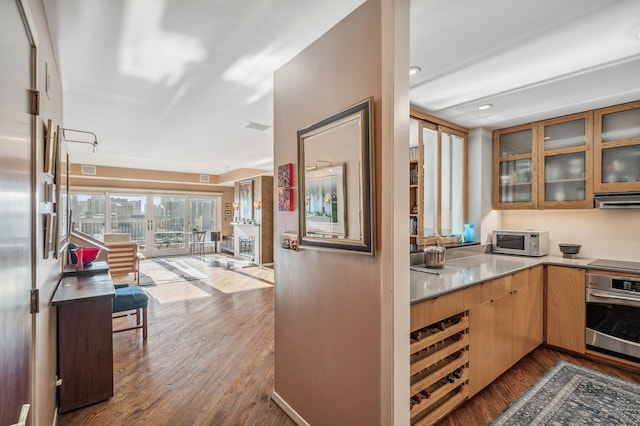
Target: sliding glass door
[
  {"x": 161, "y": 224},
  {"x": 168, "y": 226},
  {"x": 88, "y": 213},
  {"x": 128, "y": 215},
  {"x": 203, "y": 214}
]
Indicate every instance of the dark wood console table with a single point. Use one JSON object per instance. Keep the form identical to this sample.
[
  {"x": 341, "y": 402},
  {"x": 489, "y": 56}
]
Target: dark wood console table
[{"x": 83, "y": 301}]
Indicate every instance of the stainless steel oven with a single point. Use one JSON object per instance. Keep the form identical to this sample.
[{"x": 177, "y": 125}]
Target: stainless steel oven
[{"x": 613, "y": 315}]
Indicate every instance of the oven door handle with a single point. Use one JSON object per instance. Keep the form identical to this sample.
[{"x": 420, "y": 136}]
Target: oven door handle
[{"x": 616, "y": 297}]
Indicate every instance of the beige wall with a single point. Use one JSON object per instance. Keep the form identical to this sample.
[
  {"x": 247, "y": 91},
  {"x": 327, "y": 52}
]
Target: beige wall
[
  {"x": 156, "y": 180},
  {"x": 607, "y": 234},
  {"x": 332, "y": 310}
]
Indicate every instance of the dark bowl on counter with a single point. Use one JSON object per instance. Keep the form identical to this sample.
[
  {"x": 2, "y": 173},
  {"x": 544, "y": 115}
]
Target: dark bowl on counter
[{"x": 569, "y": 250}]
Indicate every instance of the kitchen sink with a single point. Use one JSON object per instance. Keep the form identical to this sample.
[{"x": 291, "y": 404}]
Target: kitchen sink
[{"x": 445, "y": 270}]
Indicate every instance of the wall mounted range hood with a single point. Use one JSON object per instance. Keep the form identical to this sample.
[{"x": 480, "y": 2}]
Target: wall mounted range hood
[{"x": 620, "y": 200}]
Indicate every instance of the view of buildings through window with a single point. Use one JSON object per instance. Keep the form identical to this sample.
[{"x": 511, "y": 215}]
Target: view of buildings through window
[{"x": 159, "y": 224}]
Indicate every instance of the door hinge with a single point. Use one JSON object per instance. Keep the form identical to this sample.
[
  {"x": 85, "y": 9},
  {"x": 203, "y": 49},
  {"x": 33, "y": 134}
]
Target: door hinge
[
  {"x": 34, "y": 107},
  {"x": 35, "y": 301}
]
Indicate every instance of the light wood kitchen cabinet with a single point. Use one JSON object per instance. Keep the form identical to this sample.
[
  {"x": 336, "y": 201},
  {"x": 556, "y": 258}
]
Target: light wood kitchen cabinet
[
  {"x": 617, "y": 148},
  {"x": 565, "y": 326},
  {"x": 514, "y": 153},
  {"x": 565, "y": 176},
  {"x": 545, "y": 165},
  {"x": 477, "y": 334},
  {"x": 430, "y": 311},
  {"x": 505, "y": 328},
  {"x": 527, "y": 290},
  {"x": 490, "y": 346}
]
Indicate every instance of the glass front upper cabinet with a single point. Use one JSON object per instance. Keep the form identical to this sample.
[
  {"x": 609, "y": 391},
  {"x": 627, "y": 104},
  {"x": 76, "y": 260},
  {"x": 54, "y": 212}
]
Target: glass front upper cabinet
[
  {"x": 546, "y": 164},
  {"x": 565, "y": 158},
  {"x": 514, "y": 186},
  {"x": 617, "y": 148}
]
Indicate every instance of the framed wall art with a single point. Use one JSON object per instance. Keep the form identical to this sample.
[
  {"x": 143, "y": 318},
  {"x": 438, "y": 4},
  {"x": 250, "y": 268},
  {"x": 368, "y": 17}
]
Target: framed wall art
[
  {"x": 49, "y": 149},
  {"x": 285, "y": 176},
  {"x": 325, "y": 204},
  {"x": 245, "y": 192},
  {"x": 48, "y": 232},
  {"x": 62, "y": 206},
  {"x": 285, "y": 199}
]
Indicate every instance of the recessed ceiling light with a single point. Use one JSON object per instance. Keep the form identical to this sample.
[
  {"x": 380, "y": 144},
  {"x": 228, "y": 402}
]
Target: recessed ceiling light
[
  {"x": 485, "y": 106},
  {"x": 414, "y": 70}
]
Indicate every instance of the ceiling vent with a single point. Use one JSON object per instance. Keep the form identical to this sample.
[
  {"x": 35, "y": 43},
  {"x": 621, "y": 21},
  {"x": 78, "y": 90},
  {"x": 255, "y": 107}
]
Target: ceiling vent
[
  {"x": 204, "y": 179},
  {"x": 88, "y": 170},
  {"x": 256, "y": 126}
]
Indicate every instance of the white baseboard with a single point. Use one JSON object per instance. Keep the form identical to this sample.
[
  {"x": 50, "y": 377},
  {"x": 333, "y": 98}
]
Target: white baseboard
[{"x": 287, "y": 409}]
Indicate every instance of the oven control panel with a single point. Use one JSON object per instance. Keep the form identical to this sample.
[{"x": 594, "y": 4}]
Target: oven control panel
[{"x": 626, "y": 285}]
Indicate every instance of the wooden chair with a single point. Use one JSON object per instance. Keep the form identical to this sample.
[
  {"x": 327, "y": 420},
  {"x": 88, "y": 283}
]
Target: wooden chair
[
  {"x": 117, "y": 237},
  {"x": 123, "y": 260}
]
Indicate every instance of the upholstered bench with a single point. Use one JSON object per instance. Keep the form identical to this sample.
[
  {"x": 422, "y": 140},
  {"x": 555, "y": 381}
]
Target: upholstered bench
[{"x": 131, "y": 299}]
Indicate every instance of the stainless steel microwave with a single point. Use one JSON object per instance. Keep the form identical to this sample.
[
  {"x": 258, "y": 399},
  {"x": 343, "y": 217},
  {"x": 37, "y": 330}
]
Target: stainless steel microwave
[{"x": 521, "y": 243}]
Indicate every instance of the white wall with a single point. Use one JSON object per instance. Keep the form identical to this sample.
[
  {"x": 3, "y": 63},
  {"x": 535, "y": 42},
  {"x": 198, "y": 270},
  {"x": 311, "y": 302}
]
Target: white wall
[{"x": 480, "y": 163}]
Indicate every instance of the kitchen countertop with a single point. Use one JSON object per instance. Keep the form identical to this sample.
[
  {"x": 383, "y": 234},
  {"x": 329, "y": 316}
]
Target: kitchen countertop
[{"x": 466, "y": 271}]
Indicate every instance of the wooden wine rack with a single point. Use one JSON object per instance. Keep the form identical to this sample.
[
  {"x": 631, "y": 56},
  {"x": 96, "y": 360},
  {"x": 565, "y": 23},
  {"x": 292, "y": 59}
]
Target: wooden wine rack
[{"x": 439, "y": 356}]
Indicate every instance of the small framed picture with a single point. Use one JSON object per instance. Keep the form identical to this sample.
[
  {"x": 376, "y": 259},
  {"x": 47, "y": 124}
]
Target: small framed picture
[
  {"x": 285, "y": 199},
  {"x": 49, "y": 226},
  {"x": 49, "y": 192},
  {"x": 49, "y": 149},
  {"x": 285, "y": 176}
]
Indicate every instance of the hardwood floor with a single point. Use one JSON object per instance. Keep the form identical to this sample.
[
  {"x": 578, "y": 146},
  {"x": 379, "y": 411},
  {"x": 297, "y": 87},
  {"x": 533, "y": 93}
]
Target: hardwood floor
[
  {"x": 208, "y": 359},
  {"x": 492, "y": 400}
]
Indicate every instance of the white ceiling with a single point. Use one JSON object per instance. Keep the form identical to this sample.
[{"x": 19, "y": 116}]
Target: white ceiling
[
  {"x": 169, "y": 84},
  {"x": 531, "y": 59}
]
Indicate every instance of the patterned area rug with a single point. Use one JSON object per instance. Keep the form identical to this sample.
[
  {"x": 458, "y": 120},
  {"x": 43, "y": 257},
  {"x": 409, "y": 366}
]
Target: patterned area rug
[
  {"x": 162, "y": 270},
  {"x": 572, "y": 395}
]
